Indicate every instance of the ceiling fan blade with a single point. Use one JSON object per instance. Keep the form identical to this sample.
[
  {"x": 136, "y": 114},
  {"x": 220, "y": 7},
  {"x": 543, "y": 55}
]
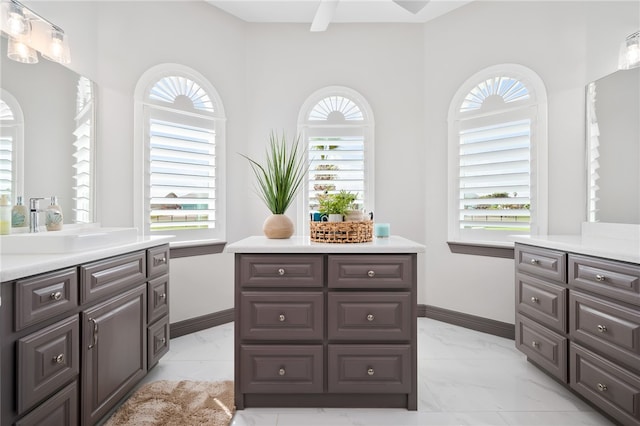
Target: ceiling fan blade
[
  {"x": 413, "y": 6},
  {"x": 324, "y": 14}
]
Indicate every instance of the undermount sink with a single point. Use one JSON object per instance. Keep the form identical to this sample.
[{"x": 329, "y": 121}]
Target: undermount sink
[{"x": 70, "y": 239}]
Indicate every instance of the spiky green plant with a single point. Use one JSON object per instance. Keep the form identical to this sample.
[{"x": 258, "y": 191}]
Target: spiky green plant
[{"x": 281, "y": 177}]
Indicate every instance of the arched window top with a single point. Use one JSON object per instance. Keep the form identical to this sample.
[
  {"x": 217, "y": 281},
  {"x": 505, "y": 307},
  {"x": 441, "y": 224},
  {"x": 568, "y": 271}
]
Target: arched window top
[
  {"x": 336, "y": 108},
  {"x": 182, "y": 93},
  {"x": 84, "y": 95},
  {"x": 6, "y": 113},
  {"x": 496, "y": 89}
]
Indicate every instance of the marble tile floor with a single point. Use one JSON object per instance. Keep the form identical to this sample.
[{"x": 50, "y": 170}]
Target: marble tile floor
[{"x": 464, "y": 378}]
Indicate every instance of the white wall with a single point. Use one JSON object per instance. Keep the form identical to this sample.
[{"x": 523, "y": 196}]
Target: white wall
[{"x": 408, "y": 73}]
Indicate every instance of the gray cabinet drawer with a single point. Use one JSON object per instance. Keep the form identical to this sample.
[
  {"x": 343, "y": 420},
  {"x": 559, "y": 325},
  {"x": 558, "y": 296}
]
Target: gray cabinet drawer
[
  {"x": 542, "y": 262},
  {"x": 609, "y": 278},
  {"x": 613, "y": 389},
  {"x": 543, "y": 346},
  {"x": 370, "y": 271},
  {"x": 107, "y": 277},
  {"x": 369, "y": 316},
  {"x": 45, "y": 296},
  {"x": 543, "y": 301},
  {"x": 281, "y": 368},
  {"x": 282, "y": 315},
  {"x": 608, "y": 328},
  {"x": 157, "y": 341},
  {"x": 276, "y": 270},
  {"x": 157, "y": 298},
  {"x": 369, "y": 368},
  {"x": 47, "y": 359},
  {"x": 60, "y": 409},
  {"x": 158, "y": 261}
]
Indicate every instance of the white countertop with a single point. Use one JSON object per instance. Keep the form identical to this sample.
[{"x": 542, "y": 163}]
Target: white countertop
[
  {"x": 13, "y": 266},
  {"x": 299, "y": 244},
  {"x": 626, "y": 250}
]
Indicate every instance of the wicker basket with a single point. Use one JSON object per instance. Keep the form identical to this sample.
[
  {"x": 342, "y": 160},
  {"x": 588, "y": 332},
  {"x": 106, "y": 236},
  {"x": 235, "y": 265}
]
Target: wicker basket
[{"x": 342, "y": 232}]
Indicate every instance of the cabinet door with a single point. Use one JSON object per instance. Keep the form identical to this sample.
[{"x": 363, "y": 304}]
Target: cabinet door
[{"x": 115, "y": 351}]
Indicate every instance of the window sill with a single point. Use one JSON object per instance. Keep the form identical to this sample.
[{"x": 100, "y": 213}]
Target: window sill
[
  {"x": 503, "y": 250},
  {"x": 196, "y": 248}
]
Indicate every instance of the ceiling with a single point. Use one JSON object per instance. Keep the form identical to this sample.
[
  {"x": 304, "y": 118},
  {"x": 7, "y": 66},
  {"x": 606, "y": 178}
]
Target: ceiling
[{"x": 346, "y": 11}]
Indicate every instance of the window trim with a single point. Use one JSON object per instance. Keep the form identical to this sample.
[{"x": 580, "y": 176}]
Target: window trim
[
  {"x": 140, "y": 166},
  {"x": 368, "y": 127},
  {"x": 17, "y": 183},
  {"x": 538, "y": 148}
]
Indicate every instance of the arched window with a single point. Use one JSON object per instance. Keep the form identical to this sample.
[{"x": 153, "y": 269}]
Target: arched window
[
  {"x": 84, "y": 152},
  {"x": 336, "y": 124},
  {"x": 11, "y": 146},
  {"x": 181, "y": 124},
  {"x": 498, "y": 156}
]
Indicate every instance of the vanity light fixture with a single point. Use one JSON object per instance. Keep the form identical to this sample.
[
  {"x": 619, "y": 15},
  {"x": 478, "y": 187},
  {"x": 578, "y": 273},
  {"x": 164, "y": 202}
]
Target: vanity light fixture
[
  {"x": 29, "y": 32},
  {"x": 630, "y": 52}
]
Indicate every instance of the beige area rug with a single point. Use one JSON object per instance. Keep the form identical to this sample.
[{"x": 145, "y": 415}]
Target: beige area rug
[{"x": 172, "y": 403}]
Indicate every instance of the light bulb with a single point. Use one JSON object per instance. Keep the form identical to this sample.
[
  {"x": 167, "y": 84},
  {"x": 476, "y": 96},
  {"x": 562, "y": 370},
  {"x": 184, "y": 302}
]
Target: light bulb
[
  {"x": 16, "y": 22},
  {"x": 58, "y": 49}
]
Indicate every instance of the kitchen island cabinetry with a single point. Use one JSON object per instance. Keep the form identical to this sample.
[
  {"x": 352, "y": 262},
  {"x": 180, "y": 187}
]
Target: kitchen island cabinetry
[
  {"x": 578, "y": 318},
  {"x": 75, "y": 339},
  {"x": 325, "y": 325}
]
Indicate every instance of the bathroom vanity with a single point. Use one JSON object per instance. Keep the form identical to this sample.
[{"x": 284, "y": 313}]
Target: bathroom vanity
[
  {"x": 325, "y": 325},
  {"x": 79, "y": 330},
  {"x": 578, "y": 316}
]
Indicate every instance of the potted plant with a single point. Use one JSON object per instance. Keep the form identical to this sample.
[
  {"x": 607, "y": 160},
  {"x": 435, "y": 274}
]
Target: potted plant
[
  {"x": 279, "y": 180},
  {"x": 335, "y": 205}
]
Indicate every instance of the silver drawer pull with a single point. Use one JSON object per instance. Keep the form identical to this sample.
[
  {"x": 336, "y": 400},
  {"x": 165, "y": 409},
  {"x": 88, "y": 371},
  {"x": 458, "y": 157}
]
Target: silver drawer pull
[
  {"x": 163, "y": 296},
  {"x": 282, "y": 372},
  {"x": 370, "y": 371},
  {"x": 55, "y": 296},
  {"x": 282, "y": 318},
  {"x": 160, "y": 261},
  {"x": 600, "y": 278},
  {"x": 602, "y": 328},
  {"x": 602, "y": 387},
  {"x": 370, "y": 317},
  {"x": 371, "y": 274},
  {"x": 58, "y": 359},
  {"x": 281, "y": 271},
  {"x": 163, "y": 340},
  {"x": 95, "y": 333},
  {"x": 534, "y": 299},
  {"x": 535, "y": 344},
  {"x": 534, "y": 261}
]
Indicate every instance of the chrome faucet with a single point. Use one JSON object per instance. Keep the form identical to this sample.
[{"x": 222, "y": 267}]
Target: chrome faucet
[{"x": 34, "y": 210}]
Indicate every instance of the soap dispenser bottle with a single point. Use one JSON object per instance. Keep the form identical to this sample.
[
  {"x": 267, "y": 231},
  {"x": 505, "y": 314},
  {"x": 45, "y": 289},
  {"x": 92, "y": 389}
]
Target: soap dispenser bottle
[
  {"x": 5, "y": 215},
  {"x": 53, "y": 216},
  {"x": 19, "y": 214}
]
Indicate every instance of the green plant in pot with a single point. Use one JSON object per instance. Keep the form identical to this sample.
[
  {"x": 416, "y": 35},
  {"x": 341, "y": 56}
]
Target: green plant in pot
[
  {"x": 336, "y": 204},
  {"x": 278, "y": 181}
]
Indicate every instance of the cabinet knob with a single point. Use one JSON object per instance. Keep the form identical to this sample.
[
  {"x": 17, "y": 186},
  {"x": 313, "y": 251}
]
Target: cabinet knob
[
  {"x": 163, "y": 340},
  {"x": 534, "y": 299},
  {"x": 370, "y": 317},
  {"x": 602, "y": 387},
  {"x": 600, "y": 277},
  {"x": 282, "y": 372},
  {"x": 159, "y": 260},
  {"x": 535, "y": 344},
  {"x": 58, "y": 359},
  {"x": 163, "y": 296},
  {"x": 282, "y": 318},
  {"x": 281, "y": 271},
  {"x": 370, "y": 371},
  {"x": 534, "y": 261},
  {"x": 371, "y": 274},
  {"x": 602, "y": 328},
  {"x": 56, "y": 296}
]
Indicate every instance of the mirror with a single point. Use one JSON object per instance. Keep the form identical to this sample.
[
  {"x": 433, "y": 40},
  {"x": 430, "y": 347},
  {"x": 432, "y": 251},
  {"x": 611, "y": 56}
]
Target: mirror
[
  {"x": 57, "y": 130},
  {"x": 613, "y": 148}
]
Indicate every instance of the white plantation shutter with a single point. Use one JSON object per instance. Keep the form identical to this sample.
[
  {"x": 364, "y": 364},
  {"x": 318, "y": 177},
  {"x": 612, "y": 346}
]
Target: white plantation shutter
[
  {"x": 593, "y": 145},
  {"x": 83, "y": 152},
  {"x": 11, "y": 146},
  {"x": 337, "y": 125},
  {"x": 495, "y": 176},
  {"x": 497, "y": 164},
  {"x": 183, "y": 124}
]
